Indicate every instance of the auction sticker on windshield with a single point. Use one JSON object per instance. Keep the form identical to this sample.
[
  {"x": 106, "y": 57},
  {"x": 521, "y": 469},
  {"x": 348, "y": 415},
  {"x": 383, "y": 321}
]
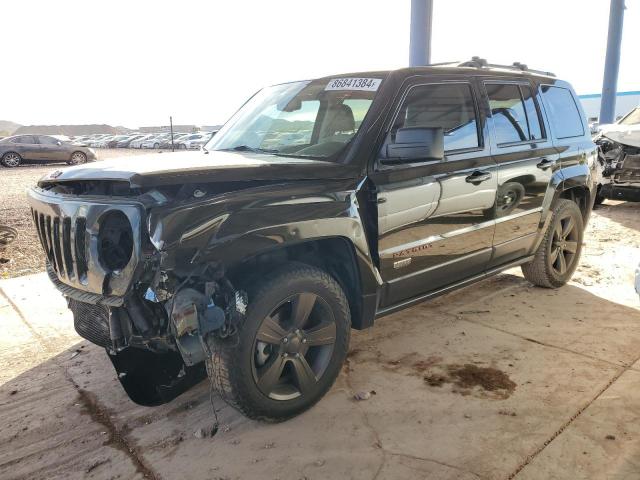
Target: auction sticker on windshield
[{"x": 365, "y": 84}]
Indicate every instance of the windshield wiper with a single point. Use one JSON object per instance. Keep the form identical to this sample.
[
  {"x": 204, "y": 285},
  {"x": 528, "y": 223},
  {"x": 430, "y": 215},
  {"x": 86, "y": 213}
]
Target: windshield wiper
[{"x": 247, "y": 148}]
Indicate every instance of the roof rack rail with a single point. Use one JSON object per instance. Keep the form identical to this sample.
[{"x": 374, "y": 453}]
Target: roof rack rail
[{"x": 477, "y": 62}]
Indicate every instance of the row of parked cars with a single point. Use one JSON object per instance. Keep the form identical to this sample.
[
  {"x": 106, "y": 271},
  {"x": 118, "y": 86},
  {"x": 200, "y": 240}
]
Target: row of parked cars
[{"x": 182, "y": 141}]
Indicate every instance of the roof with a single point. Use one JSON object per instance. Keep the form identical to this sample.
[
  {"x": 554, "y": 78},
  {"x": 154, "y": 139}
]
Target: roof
[{"x": 475, "y": 65}]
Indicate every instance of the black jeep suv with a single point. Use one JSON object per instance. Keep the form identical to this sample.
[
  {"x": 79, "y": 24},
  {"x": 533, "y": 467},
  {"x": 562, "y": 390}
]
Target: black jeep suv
[{"x": 320, "y": 206}]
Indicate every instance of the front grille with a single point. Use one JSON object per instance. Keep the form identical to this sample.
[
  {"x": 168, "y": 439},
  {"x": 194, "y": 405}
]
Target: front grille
[
  {"x": 69, "y": 230},
  {"x": 63, "y": 243},
  {"x": 91, "y": 322}
]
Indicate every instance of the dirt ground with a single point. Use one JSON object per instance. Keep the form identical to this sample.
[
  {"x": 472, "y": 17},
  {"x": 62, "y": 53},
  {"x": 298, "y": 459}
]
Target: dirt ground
[
  {"x": 500, "y": 380},
  {"x": 25, "y": 255}
]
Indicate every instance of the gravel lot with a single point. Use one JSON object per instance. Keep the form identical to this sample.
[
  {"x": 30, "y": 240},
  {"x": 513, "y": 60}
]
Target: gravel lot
[{"x": 25, "y": 255}]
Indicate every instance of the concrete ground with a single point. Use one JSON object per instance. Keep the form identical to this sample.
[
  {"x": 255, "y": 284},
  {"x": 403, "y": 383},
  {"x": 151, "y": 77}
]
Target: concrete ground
[{"x": 498, "y": 381}]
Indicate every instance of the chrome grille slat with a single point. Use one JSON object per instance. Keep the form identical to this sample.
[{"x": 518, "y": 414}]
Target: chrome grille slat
[
  {"x": 47, "y": 227},
  {"x": 79, "y": 246},
  {"x": 43, "y": 240},
  {"x": 66, "y": 246},
  {"x": 57, "y": 250}
]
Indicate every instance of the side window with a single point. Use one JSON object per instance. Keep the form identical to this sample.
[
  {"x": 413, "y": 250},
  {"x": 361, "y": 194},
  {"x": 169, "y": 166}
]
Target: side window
[
  {"x": 508, "y": 112},
  {"x": 24, "y": 139},
  {"x": 533, "y": 117},
  {"x": 47, "y": 140},
  {"x": 563, "y": 112},
  {"x": 446, "y": 106}
]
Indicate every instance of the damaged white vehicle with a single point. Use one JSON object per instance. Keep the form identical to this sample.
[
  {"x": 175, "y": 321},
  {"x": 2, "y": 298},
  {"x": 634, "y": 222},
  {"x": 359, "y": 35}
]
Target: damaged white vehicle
[{"x": 619, "y": 157}]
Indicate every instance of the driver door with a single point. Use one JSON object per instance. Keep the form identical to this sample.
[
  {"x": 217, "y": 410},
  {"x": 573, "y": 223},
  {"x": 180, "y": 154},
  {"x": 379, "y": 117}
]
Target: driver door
[
  {"x": 48, "y": 149},
  {"x": 436, "y": 219}
]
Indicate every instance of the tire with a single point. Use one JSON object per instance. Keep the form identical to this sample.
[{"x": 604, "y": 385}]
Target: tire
[
  {"x": 183, "y": 146},
  {"x": 262, "y": 374},
  {"x": 559, "y": 252},
  {"x": 599, "y": 199},
  {"x": 77, "y": 158},
  {"x": 11, "y": 160},
  {"x": 7, "y": 236},
  {"x": 156, "y": 146}
]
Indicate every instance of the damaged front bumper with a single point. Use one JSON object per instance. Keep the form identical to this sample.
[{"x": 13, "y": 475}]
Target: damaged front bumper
[{"x": 154, "y": 324}]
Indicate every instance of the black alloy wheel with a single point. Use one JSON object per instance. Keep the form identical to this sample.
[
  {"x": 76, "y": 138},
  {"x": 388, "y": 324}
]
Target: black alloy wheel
[
  {"x": 293, "y": 347},
  {"x": 564, "y": 244},
  {"x": 558, "y": 254}
]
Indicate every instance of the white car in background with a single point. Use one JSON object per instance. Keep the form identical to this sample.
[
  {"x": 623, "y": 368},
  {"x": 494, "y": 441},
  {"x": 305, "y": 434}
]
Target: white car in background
[
  {"x": 194, "y": 141},
  {"x": 101, "y": 142},
  {"x": 138, "y": 142},
  {"x": 638, "y": 280},
  {"x": 153, "y": 142}
]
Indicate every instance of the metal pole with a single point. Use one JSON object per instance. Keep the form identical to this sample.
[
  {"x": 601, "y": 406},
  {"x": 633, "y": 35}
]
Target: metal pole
[
  {"x": 420, "y": 34},
  {"x": 612, "y": 63},
  {"x": 171, "y": 127}
]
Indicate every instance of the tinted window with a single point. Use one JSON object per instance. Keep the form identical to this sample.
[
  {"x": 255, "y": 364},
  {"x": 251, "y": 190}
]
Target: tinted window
[
  {"x": 563, "y": 112},
  {"x": 28, "y": 139},
  {"x": 48, "y": 140},
  {"x": 449, "y": 107},
  {"x": 533, "y": 117},
  {"x": 508, "y": 112}
]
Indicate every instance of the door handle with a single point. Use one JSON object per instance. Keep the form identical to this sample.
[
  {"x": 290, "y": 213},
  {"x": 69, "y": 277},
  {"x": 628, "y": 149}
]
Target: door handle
[
  {"x": 545, "y": 164},
  {"x": 382, "y": 200},
  {"x": 478, "y": 177}
]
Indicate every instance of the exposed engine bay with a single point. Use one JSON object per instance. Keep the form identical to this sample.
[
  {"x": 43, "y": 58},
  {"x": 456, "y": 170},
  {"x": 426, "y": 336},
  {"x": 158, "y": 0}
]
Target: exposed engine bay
[{"x": 173, "y": 334}]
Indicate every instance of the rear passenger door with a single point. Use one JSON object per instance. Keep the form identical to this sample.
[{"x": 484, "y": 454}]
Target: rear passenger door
[
  {"x": 26, "y": 146},
  {"x": 435, "y": 217},
  {"x": 526, "y": 160}
]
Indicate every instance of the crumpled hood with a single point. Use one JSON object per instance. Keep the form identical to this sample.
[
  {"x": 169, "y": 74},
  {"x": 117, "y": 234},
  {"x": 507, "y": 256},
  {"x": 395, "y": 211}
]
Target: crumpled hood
[
  {"x": 184, "y": 167},
  {"x": 624, "y": 134}
]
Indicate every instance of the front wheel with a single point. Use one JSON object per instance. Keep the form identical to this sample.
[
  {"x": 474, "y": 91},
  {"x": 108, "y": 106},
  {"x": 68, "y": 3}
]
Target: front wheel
[
  {"x": 558, "y": 255},
  {"x": 290, "y": 348},
  {"x": 77, "y": 158}
]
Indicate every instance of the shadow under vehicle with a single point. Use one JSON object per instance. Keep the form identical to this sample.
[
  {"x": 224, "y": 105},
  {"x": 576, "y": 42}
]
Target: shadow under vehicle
[{"x": 320, "y": 206}]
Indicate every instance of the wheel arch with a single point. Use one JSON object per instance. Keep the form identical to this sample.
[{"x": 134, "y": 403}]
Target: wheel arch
[
  {"x": 335, "y": 255},
  {"x": 582, "y": 196}
]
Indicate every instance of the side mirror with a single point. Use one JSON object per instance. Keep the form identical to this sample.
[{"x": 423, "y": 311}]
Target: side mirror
[
  {"x": 415, "y": 144},
  {"x": 58, "y": 143}
]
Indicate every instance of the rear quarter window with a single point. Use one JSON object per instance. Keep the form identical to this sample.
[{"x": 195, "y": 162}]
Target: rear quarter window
[{"x": 564, "y": 116}]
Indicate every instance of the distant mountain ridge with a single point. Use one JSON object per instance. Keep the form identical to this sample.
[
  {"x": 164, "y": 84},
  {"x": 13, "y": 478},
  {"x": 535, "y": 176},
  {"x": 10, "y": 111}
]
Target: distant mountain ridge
[{"x": 7, "y": 127}]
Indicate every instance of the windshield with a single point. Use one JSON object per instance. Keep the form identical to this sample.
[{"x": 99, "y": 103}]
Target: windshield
[
  {"x": 632, "y": 118},
  {"x": 315, "y": 119}
]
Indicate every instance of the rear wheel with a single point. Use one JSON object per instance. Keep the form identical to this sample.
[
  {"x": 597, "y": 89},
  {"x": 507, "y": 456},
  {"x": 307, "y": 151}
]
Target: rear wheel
[
  {"x": 11, "y": 159},
  {"x": 558, "y": 255},
  {"x": 290, "y": 348}
]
